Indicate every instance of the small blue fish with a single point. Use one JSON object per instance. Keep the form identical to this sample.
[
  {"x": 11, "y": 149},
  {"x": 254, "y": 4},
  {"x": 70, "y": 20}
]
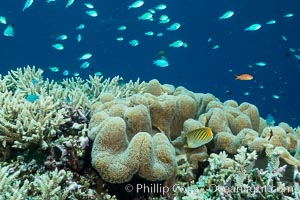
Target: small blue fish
[
  {"x": 270, "y": 120},
  {"x": 85, "y": 56},
  {"x": 119, "y": 38},
  {"x": 226, "y": 15},
  {"x": 288, "y": 15},
  {"x": 146, "y": 16},
  {"x": 54, "y": 69},
  {"x": 97, "y": 73},
  {"x": 121, "y": 83},
  {"x": 58, "y": 46},
  {"x": 92, "y": 13},
  {"x": 253, "y": 27},
  {"x": 32, "y": 98},
  {"x": 133, "y": 43},
  {"x": 297, "y": 56},
  {"x": 161, "y": 7},
  {"x": 27, "y": 4},
  {"x": 3, "y": 20},
  {"x": 89, "y": 5},
  {"x": 261, "y": 64},
  {"x": 80, "y": 26},
  {"x": 35, "y": 81},
  {"x": 65, "y": 73},
  {"x": 62, "y": 37},
  {"x": 68, "y": 100},
  {"x": 149, "y": 33},
  {"x": 284, "y": 38},
  {"x": 178, "y": 43},
  {"x": 271, "y": 22},
  {"x": 78, "y": 37},
  {"x": 174, "y": 27},
  {"x": 161, "y": 63},
  {"x": 216, "y": 47},
  {"x": 9, "y": 31},
  {"x": 136, "y": 4},
  {"x": 69, "y": 3},
  {"x": 122, "y": 28},
  {"x": 85, "y": 65}
]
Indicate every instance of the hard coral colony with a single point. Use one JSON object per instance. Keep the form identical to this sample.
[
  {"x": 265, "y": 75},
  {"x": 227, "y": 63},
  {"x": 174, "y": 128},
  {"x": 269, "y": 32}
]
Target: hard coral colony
[{"x": 91, "y": 139}]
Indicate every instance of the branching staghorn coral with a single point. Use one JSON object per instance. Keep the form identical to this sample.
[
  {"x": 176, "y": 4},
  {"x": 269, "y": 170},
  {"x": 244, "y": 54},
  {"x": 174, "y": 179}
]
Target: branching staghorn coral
[
  {"x": 19, "y": 181},
  {"x": 48, "y": 185},
  {"x": 236, "y": 178},
  {"x": 24, "y": 122},
  {"x": 7, "y": 176}
]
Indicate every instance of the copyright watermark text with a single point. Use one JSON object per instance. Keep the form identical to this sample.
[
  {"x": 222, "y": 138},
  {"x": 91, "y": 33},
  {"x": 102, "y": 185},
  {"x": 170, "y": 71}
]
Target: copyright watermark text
[{"x": 157, "y": 188}]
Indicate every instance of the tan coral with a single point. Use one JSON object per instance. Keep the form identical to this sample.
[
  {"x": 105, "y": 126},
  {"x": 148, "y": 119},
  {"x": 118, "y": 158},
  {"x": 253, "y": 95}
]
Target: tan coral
[
  {"x": 224, "y": 140},
  {"x": 117, "y": 160},
  {"x": 252, "y": 112},
  {"x": 196, "y": 156},
  {"x": 149, "y": 123},
  {"x": 138, "y": 119},
  {"x": 258, "y": 144},
  {"x": 230, "y": 143},
  {"x": 246, "y": 136},
  {"x": 169, "y": 112},
  {"x": 287, "y": 128},
  {"x": 284, "y": 154},
  {"x": 276, "y": 136},
  {"x": 216, "y": 119},
  {"x": 230, "y": 117},
  {"x": 154, "y": 88}
]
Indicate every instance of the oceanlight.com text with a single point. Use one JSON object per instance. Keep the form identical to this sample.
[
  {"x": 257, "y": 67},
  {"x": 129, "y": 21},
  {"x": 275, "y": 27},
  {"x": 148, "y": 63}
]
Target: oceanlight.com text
[{"x": 246, "y": 189}]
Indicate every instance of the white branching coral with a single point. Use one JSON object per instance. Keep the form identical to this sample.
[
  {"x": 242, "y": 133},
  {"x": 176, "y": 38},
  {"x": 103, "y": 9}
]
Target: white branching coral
[
  {"x": 49, "y": 185},
  {"x": 7, "y": 176},
  {"x": 54, "y": 185},
  {"x": 46, "y": 186},
  {"x": 240, "y": 180},
  {"x": 244, "y": 158},
  {"x": 25, "y": 121},
  {"x": 10, "y": 187}
]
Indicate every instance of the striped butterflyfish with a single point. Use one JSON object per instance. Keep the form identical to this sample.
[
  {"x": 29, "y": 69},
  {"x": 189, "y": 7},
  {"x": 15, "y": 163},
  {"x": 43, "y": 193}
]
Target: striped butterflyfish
[{"x": 198, "y": 137}]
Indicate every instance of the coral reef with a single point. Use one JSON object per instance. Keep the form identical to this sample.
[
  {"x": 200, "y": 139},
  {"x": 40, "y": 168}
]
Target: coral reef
[
  {"x": 78, "y": 139},
  {"x": 49, "y": 121}
]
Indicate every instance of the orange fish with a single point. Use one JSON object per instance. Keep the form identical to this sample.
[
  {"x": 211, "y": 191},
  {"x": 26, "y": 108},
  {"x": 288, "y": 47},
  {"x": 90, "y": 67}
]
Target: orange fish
[{"x": 244, "y": 77}]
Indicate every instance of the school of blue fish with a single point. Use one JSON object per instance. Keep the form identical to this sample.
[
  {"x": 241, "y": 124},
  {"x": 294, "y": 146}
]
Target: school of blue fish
[{"x": 157, "y": 15}]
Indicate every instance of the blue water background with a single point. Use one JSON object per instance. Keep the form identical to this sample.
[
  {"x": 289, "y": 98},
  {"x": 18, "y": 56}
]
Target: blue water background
[{"x": 198, "y": 68}]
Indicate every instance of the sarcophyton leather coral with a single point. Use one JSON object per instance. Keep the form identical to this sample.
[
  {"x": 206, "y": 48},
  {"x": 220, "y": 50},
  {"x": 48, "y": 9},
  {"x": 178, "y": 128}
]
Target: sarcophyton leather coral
[
  {"x": 118, "y": 159},
  {"x": 132, "y": 135},
  {"x": 230, "y": 117}
]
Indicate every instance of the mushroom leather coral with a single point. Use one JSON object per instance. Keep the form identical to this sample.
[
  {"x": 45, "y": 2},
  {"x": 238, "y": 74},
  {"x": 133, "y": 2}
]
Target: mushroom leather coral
[{"x": 116, "y": 159}]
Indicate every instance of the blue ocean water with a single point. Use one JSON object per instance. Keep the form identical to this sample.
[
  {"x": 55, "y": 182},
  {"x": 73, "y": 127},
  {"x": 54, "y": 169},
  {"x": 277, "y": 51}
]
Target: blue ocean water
[{"x": 198, "y": 67}]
